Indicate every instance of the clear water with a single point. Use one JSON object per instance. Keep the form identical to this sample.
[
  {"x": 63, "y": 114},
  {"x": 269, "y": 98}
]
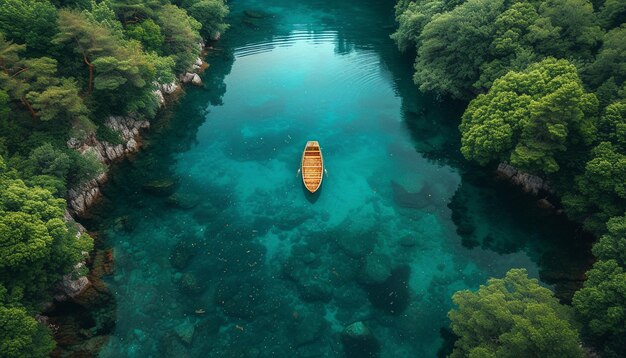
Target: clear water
[{"x": 231, "y": 257}]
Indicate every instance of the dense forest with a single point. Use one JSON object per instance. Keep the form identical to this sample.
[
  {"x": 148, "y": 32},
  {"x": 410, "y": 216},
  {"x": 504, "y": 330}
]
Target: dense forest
[
  {"x": 546, "y": 91},
  {"x": 66, "y": 66},
  {"x": 544, "y": 82}
]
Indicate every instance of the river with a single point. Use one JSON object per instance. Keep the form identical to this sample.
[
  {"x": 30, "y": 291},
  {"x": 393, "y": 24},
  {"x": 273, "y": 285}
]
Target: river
[{"x": 220, "y": 252}]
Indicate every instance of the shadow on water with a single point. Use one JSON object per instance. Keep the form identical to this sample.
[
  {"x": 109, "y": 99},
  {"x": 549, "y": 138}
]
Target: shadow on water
[{"x": 311, "y": 197}]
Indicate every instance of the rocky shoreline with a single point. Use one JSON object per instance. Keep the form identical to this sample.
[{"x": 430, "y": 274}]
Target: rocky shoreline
[{"x": 82, "y": 313}]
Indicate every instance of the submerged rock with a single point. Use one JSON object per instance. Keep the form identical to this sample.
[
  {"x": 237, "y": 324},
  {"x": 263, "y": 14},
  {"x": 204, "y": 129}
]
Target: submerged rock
[
  {"x": 183, "y": 200},
  {"x": 307, "y": 327},
  {"x": 376, "y": 269},
  {"x": 392, "y": 295},
  {"x": 357, "y": 245},
  {"x": 185, "y": 331},
  {"x": 182, "y": 254},
  {"x": 408, "y": 241},
  {"x": 190, "y": 284},
  {"x": 160, "y": 187},
  {"x": 419, "y": 200},
  {"x": 254, "y": 14},
  {"x": 358, "y": 341}
]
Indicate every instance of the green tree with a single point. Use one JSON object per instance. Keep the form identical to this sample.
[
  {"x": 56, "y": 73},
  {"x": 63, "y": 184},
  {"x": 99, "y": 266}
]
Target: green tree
[
  {"x": 133, "y": 11},
  {"x": 211, "y": 14},
  {"x": 48, "y": 160},
  {"x": 600, "y": 191},
  {"x": 612, "y": 13},
  {"x": 20, "y": 334},
  {"x": 412, "y": 17},
  {"x": 577, "y": 27},
  {"x": 148, "y": 33},
  {"x": 612, "y": 125},
  {"x": 608, "y": 71},
  {"x": 29, "y": 22},
  {"x": 530, "y": 118},
  {"x": 87, "y": 38},
  {"x": 181, "y": 35},
  {"x": 60, "y": 101},
  {"x": 612, "y": 245},
  {"x": 11, "y": 66},
  {"x": 454, "y": 45},
  {"x": 512, "y": 47},
  {"x": 512, "y": 317},
  {"x": 36, "y": 245},
  {"x": 601, "y": 305}
]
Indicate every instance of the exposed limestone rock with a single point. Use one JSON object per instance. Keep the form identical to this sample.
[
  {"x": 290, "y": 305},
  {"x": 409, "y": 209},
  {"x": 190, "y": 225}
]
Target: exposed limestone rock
[
  {"x": 70, "y": 287},
  {"x": 531, "y": 184},
  {"x": 159, "y": 95},
  {"x": 192, "y": 78},
  {"x": 187, "y": 77},
  {"x": 79, "y": 199},
  {"x": 196, "y": 80},
  {"x": 197, "y": 64},
  {"x": 169, "y": 88}
]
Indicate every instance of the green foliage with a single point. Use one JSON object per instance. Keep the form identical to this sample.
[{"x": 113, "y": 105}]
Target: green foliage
[
  {"x": 608, "y": 71},
  {"x": 114, "y": 66},
  {"x": 600, "y": 304},
  {"x": 512, "y": 317},
  {"x": 577, "y": 26},
  {"x": 61, "y": 102},
  {"x": 106, "y": 134},
  {"x": 47, "y": 160},
  {"x": 453, "y": 45},
  {"x": 29, "y": 22},
  {"x": 148, "y": 33},
  {"x": 612, "y": 125},
  {"x": 102, "y": 14},
  {"x": 85, "y": 167},
  {"x": 412, "y": 17},
  {"x": 181, "y": 35},
  {"x": 21, "y": 335},
  {"x": 130, "y": 11},
  {"x": 463, "y": 46},
  {"x": 163, "y": 67},
  {"x": 36, "y": 246},
  {"x": 530, "y": 118},
  {"x": 600, "y": 191},
  {"x": 612, "y": 13},
  {"x": 612, "y": 245}
]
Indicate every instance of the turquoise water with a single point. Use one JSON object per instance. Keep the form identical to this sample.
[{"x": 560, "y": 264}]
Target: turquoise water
[{"x": 219, "y": 250}]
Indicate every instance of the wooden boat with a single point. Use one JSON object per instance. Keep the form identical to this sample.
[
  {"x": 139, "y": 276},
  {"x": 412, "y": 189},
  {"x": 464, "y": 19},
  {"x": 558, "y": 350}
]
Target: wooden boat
[{"x": 312, "y": 166}]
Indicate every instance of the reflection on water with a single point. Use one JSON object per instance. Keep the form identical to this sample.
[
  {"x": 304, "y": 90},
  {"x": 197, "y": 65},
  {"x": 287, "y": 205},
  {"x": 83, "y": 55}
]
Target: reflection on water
[{"x": 222, "y": 252}]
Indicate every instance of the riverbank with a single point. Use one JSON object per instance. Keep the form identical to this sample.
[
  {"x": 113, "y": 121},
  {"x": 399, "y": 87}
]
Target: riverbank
[{"x": 82, "y": 313}]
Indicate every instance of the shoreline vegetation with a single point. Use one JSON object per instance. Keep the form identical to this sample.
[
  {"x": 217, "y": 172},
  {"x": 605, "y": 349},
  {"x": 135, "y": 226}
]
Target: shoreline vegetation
[
  {"x": 78, "y": 81},
  {"x": 547, "y": 100}
]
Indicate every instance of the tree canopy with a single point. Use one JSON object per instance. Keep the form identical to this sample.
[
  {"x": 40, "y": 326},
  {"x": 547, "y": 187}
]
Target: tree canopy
[
  {"x": 512, "y": 317},
  {"x": 530, "y": 118}
]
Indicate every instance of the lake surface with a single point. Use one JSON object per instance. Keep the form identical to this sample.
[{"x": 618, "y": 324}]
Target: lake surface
[{"x": 220, "y": 251}]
